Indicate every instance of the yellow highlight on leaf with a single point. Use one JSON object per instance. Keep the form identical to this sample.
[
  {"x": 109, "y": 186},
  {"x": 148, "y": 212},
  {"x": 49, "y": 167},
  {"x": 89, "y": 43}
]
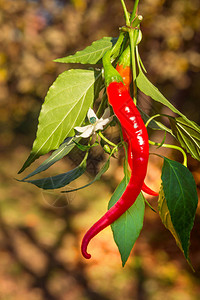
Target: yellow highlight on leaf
[{"x": 166, "y": 220}]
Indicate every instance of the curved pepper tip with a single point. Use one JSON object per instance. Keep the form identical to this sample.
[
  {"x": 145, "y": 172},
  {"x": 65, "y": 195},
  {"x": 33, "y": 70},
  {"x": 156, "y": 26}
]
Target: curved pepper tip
[
  {"x": 86, "y": 255},
  {"x": 84, "y": 251}
]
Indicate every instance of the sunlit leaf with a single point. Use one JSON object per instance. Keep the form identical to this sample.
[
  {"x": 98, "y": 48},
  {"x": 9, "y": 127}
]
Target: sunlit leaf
[
  {"x": 187, "y": 135},
  {"x": 150, "y": 90},
  {"x": 91, "y": 54},
  {"x": 127, "y": 228},
  {"x": 181, "y": 196},
  {"x": 65, "y": 107}
]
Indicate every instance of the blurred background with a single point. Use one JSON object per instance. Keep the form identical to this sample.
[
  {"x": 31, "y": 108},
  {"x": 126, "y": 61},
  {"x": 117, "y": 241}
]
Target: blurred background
[{"x": 40, "y": 232}]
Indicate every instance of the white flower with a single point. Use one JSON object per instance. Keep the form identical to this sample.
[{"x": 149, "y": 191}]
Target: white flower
[{"x": 95, "y": 123}]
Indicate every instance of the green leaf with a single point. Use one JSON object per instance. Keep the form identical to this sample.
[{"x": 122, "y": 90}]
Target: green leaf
[
  {"x": 61, "y": 180},
  {"x": 181, "y": 196},
  {"x": 91, "y": 54},
  {"x": 97, "y": 177},
  {"x": 166, "y": 220},
  {"x": 65, "y": 107},
  {"x": 150, "y": 90},
  {"x": 187, "y": 135},
  {"x": 58, "y": 154},
  {"x": 127, "y": 228}
]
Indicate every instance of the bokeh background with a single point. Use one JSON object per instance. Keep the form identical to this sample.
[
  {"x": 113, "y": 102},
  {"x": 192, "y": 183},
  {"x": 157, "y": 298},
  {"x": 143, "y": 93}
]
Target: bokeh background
[{"x": 40, "y": 232}]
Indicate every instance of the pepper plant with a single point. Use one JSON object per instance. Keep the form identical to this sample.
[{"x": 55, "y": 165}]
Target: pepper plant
[{"x": 67, "y": 118}]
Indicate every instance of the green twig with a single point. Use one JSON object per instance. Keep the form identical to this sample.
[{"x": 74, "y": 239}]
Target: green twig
[
  {"x": 125, "y": 13},
  {"x": 105, "y": 139},
  {"x": 172, "y": 147},
  {"x": 150, "y": 119},
  {"x": 134, "y": 13},
  {"x": 131, "y": 36},
  {"x": 126, "y": 159}
]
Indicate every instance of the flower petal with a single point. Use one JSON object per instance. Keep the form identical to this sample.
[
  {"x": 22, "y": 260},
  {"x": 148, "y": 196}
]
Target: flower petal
[
  {"x": 82, "y": 129},
  {"x": 104, "y": 122},
  {"x": 88, "y": 132},
  {"x": 91, "y": 114},
  {"x": 99, "y": 125}
]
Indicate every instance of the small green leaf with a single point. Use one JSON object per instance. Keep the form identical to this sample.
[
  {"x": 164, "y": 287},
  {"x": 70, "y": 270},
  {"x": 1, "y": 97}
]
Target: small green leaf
[
  {"x": 181, "y": 196},
  {"x": 58, "y": 154},
  {"x": 97, "y": 177},
  {"x": 127, "y": 228},
  {"x": 61, "y": 180},
  {"x": 65, "y": 107},
  {"x": 187, "y": 135},
  {"x": 91, "y": 54}
]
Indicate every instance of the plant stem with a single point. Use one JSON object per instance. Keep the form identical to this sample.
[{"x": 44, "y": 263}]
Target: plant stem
[
  {"x": 172, "y": 147},
  {"x": 131, "y": 36},
  {"x": 126, "y": 170},
  {"x": 150, "y": 119},
  {"x": 134, "y": 10},
  {"x": 133, "y": 39},
  {"x": 105, "y": 139},
  {"x": 125, "y": 13}
]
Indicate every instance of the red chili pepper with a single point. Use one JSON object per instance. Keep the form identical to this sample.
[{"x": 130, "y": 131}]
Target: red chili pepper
[
  {"x": 145, "y": 188},
  {"x": 131, "y": 121},
  {"x": 124, "y": 69},
  {"x": 133, "y": 124}
]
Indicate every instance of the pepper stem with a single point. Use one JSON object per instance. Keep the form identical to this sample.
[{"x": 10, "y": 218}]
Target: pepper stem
[{"x": 110, "y": 73}]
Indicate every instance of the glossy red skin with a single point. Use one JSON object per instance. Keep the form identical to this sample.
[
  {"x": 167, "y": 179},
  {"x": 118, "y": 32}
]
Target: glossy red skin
[
  {"x": 129, "y": 117},
  {"x": 126, "y": 74},
  {"x": 145, "y": 188}
]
